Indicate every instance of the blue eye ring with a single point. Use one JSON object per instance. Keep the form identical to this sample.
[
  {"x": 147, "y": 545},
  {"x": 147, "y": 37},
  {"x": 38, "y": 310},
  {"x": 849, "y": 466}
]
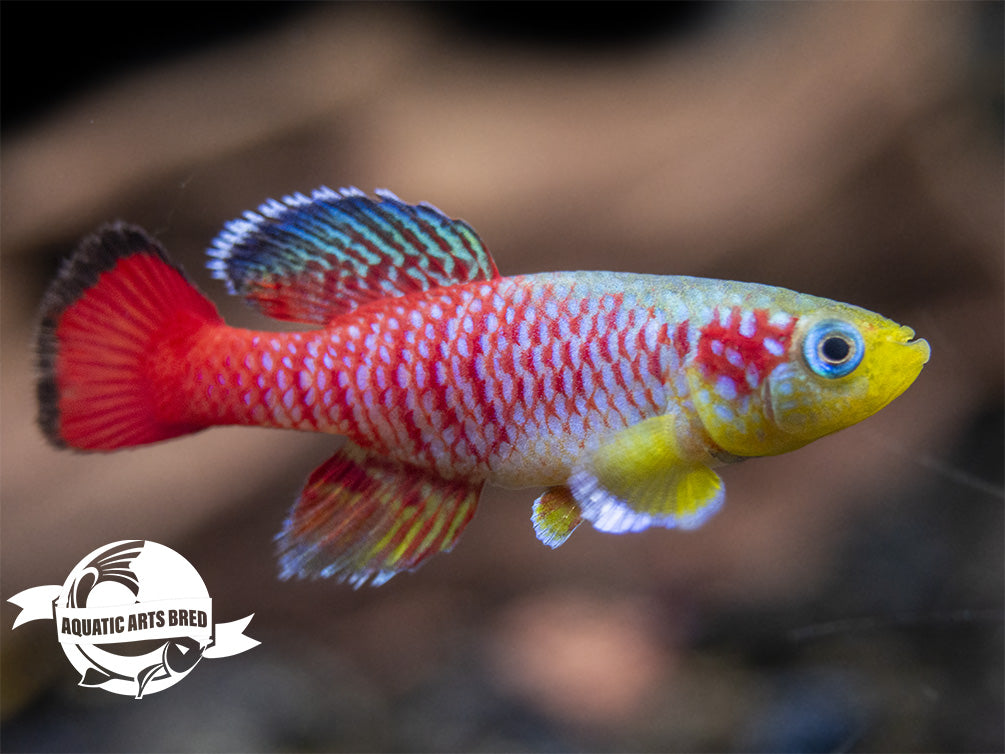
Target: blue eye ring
[{"x": 833, "y": 348}]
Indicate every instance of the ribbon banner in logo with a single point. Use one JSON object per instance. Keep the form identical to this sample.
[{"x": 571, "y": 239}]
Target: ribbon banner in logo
[{"x": 161, "y": 619}]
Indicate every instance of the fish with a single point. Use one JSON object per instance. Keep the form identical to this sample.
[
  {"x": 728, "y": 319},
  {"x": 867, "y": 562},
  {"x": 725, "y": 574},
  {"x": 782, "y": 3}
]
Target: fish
[{"x": 616, "y": 394}]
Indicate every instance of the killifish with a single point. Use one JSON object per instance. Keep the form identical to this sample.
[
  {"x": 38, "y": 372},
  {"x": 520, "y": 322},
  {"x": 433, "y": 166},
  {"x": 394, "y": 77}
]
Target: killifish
[{"x": 618, "y": 393}]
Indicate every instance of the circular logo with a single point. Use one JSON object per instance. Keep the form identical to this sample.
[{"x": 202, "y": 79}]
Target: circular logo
[
  {"x": 134, "y": 618},
  {"x": 114, "y": 607}
]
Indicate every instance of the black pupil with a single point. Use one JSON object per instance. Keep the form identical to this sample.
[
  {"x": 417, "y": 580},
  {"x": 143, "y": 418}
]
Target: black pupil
[{"x": 835, "y": 349}]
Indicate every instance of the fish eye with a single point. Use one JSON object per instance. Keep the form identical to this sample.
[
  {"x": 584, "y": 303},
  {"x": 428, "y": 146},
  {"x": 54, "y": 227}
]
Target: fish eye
[{"x": 833, "y": 348}]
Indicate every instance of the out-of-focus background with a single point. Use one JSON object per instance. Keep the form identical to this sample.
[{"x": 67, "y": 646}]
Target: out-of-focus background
[{"x": 849, "y": 595}]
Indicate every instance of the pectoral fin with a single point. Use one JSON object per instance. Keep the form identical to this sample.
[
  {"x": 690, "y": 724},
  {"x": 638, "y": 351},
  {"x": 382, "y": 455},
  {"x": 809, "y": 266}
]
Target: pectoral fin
[
  {"x": 641, "y": 478},
  {"x": 363, "y": 518}
]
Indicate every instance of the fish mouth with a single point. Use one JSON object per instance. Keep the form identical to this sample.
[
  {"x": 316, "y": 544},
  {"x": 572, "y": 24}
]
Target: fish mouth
[
  {"x": 905, "y": 357},
  {"x": 922, "y": 347},
  {"x": 919, "y": 345}
]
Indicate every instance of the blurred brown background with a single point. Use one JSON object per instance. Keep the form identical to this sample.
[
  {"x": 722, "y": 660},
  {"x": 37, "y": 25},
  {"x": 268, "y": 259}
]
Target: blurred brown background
[{"x": 847, "y": 598}]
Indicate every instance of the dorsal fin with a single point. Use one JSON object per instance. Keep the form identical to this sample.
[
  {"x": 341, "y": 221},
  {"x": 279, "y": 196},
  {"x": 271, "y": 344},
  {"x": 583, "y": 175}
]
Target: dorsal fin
[{"x": 309, "y": 259}]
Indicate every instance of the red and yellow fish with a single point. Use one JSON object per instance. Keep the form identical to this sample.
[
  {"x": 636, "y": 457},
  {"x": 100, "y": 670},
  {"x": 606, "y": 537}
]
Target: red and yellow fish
[{"x": 620, "y": 393}]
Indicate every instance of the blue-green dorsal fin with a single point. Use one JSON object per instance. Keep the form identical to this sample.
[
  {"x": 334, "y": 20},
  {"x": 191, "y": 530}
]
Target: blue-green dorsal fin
[{"x": 309, "y": 259}]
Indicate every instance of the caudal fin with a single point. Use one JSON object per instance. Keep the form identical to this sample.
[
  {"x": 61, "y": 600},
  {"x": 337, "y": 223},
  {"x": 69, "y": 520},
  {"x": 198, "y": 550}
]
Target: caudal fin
[{"x": 115, "y": 302}]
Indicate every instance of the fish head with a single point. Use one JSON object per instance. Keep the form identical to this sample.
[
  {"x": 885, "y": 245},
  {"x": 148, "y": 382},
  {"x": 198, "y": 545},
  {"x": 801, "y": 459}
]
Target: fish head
[
  {"x": 768, "y": 382},
  {"x": 844, "y": 366}
]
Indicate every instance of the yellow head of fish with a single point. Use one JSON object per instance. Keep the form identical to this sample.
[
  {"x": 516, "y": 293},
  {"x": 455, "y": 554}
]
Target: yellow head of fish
[{"x": 766, "y": 381}]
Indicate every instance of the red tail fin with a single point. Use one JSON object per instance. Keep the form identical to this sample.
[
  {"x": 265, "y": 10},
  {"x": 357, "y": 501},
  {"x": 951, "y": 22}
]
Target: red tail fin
[{"x": 115, "y": 302}]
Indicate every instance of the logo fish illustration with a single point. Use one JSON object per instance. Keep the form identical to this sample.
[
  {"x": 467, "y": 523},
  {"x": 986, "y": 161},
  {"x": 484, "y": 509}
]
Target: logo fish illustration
[{"x": 619, "y": 393}]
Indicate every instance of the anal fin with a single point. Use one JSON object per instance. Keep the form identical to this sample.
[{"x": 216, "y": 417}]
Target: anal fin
[
  {"x": 362, "y": 519},
  {"x": 640, "y": 478}
]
